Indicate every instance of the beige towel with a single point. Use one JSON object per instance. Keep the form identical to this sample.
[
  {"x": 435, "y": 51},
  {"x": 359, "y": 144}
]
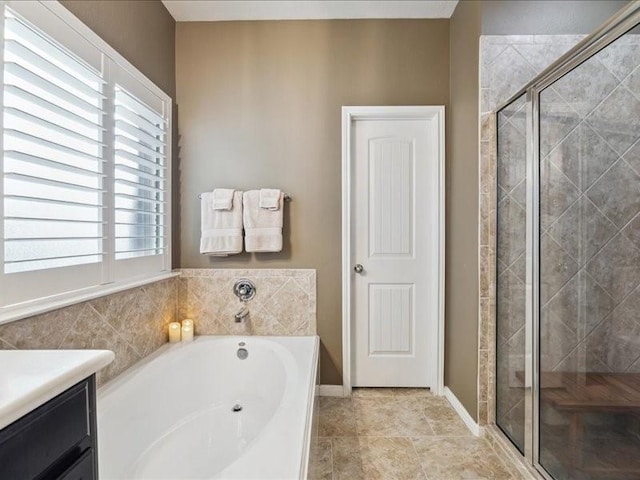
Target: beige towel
[
  {"x": 221, "y": 229},
  {"x": 222, "y": 199},
  {"x": 262, "y": 227}
]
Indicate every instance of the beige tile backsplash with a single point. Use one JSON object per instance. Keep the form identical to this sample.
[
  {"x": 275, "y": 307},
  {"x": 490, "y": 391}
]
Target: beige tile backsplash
[
  {"x": 285, "y": 301},
  {"x": 133, "y": 323}
]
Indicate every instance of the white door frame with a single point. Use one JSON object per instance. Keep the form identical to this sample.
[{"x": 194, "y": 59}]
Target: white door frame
[{"x": 349, "y": 114}]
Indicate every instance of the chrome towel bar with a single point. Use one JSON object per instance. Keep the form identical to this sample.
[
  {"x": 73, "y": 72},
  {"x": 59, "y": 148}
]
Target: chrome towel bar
[{"x": 287, "y": 197}]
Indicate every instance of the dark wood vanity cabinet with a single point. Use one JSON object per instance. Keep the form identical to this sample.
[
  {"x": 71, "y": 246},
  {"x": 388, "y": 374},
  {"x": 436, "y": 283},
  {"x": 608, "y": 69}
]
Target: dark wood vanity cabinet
[{"x": 55, "y": 441}]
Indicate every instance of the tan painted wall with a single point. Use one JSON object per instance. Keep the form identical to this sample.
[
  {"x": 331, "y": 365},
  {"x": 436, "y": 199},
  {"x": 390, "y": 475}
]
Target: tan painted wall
[
  {"x": 462, "y": 291},
  {"x": 142, "y": 31},
  {"x": 260, "y": 106}
]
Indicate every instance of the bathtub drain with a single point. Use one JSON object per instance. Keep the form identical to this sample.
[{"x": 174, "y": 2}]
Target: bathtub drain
[{"x": 237, "y": 408}]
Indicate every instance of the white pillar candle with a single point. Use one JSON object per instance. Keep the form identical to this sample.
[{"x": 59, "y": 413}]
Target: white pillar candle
[
  {"x": 174, "y": 332},
  {"x": 187, "y": 322},
  {"x": 187, "y": 333}
]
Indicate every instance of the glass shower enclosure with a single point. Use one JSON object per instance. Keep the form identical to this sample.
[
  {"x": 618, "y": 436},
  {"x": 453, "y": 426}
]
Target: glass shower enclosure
[{"x": 568, "y": 261}]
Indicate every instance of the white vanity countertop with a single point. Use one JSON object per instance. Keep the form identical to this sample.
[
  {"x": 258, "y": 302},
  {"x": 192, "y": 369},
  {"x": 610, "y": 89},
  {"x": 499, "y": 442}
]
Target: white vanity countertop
[{"x": 30, "y": 378}]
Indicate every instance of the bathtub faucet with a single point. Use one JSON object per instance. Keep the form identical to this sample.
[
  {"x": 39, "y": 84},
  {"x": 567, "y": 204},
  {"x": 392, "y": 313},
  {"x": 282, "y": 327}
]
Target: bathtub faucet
[{"x": 242, "y": 314}]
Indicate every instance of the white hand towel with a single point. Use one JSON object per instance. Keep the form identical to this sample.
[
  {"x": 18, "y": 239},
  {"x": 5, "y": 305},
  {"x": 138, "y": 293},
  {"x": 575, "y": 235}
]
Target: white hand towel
[
  {"x": 262, "y": 227},
  {"x": 221, "y": 229},
  {"x": 223, "y": 198},
  {"x": 270, "y": 198}
]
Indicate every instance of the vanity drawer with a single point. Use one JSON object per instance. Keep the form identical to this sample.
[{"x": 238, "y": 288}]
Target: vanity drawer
[
  {"x": 82, "y": 469},
  {"x": 49, "y": 439}
]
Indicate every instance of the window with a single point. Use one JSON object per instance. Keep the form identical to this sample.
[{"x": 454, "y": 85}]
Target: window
[
  {"x": 53, "y": 110},
  {"x": 139, "y": 177},
  {"x": 84, "y": 185}
]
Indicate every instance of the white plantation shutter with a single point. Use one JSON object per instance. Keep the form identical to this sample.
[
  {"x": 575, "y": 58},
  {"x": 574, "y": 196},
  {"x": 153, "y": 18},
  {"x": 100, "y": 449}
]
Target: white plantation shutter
[
  {"x": 52, "y": 140},
  {"x": 140, "y": 176},
  {"x": 84, "y": 184}
]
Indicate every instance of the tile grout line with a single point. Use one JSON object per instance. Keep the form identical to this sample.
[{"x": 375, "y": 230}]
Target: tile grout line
[
  {"x": 568, "y": 279},
  {"x": 415, "y": 402},
  {"x": 584, "y": 192},
  {"x": 300, "y": 286},
  {"x": 72, "y": 325},
  {"x": 331, "y": 457},
  {"x": 508, "y": 463},
  {"x": 415, "y": 450},
  {"x": 10, "y": 344},
  {"x": 587, "y": 334},
  {"x": 158, "y": 314},
  {"x": 512, "y": 408},
  {"x": 590, "y": 332},
  {"x": 581, "y": 268},
  {"x": 618, "y": 230},
  {"x": 120, "y": 337},
  {"x": 287, "y": 278},
  {"x": 505, "y": 342},
  {"x": 425, "y": 417}
]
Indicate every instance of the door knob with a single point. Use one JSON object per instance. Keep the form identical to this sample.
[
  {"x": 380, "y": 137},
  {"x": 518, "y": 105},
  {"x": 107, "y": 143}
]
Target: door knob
[{"x": 358, "y": 268}]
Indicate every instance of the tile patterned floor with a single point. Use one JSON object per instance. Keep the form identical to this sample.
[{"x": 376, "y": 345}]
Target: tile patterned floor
[{"x": 400, "y": 434}]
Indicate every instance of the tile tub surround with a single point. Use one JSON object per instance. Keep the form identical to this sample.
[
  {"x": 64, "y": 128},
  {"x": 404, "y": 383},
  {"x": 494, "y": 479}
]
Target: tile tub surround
[
  {"x": 284, "y": 304},
  {"x": 402, "y": 434},
  {"x": 507, "y": 63},
  {"x": 132, "y": 324}
]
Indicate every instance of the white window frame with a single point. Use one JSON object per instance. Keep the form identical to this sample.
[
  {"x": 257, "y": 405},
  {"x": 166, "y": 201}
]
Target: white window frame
[{"x": 116, "y": 275}]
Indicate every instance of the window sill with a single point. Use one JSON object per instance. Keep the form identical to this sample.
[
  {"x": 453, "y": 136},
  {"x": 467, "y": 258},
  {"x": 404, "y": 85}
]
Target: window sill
[{"x": 37, "y": 307}]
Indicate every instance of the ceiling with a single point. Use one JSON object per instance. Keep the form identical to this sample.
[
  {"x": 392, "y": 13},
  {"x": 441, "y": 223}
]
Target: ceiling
[{"x": 226, "y": 10}]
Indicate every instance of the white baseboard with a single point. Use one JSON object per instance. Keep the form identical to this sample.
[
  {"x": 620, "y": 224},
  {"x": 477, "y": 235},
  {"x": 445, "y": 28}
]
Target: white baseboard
[
  {"x": 331, "y": 391},
  {"x": 462, "y": 412}
]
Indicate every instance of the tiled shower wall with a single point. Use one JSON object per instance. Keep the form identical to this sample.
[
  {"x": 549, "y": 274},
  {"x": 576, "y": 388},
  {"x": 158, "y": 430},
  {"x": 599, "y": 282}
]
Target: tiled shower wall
[
  {"x": 590, "y": 214},
  {"x": 131, "y": 323},
  {"x": 590, "y": 207},
  {"x": 284, "y": 304},
  {"x": 507, "y": 63}
]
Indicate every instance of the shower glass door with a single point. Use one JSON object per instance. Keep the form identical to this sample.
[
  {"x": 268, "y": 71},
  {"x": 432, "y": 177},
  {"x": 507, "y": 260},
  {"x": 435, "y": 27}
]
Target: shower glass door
[
  {"x": 511, "y": 271},
  {"x": 589, "y": 260},
  {"x": 568, "y": 261}
]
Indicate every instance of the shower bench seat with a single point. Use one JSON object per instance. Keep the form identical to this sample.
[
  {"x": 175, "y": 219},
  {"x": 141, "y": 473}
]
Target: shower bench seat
[
  {"x": 589, "y": 392},
  {"x": 578, "y": 394}
]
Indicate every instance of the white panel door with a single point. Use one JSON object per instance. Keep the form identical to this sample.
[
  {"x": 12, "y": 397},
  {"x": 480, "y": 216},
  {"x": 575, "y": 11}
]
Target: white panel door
[{"x": 394, "y": 232}]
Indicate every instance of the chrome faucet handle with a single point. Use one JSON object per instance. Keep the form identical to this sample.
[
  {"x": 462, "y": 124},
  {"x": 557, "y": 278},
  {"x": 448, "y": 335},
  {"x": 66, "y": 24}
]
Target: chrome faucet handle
[{"x": 244, "y": 289}]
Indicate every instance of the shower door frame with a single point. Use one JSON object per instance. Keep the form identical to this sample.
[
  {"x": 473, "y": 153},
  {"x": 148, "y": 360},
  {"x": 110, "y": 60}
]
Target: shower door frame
[{"x": 614, "y": 28}]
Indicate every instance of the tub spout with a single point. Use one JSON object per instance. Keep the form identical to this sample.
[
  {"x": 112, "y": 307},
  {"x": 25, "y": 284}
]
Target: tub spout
[{"x": 242, "y": 314}]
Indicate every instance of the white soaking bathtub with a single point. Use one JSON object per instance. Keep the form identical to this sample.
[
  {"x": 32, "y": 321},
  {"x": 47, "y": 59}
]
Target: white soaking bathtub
[{"x": 171, "y": 416}]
